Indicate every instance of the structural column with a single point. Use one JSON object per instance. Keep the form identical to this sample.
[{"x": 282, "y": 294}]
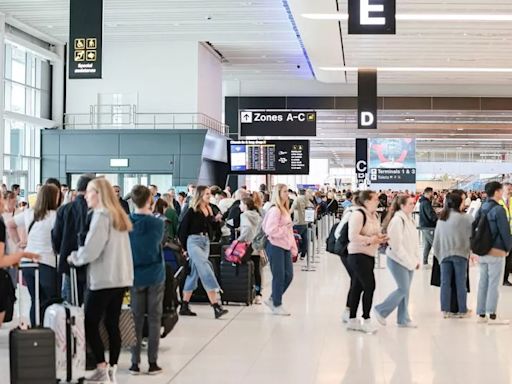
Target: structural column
[{"x": 2, "y": 93}]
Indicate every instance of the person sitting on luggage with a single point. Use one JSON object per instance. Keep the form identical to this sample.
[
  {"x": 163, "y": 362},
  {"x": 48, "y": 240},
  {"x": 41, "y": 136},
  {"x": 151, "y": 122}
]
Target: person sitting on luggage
[
  {"x": 147, "y": 293},
  {"x": 250, "y": 221},
  {"x": 35, "y": 227},
  {"x": 7, "y": 294},
  {"x": 108, "y": 253},
  {"x": 194, "y": 233}
]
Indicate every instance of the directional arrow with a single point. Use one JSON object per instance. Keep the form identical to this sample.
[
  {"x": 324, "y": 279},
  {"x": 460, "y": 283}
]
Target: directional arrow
[{"x": 246, "y": 116}]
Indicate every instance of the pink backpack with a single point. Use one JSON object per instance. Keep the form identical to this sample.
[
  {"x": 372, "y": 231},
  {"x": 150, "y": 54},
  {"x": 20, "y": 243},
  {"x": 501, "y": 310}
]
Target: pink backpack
[{"x": 236, "y": 252}]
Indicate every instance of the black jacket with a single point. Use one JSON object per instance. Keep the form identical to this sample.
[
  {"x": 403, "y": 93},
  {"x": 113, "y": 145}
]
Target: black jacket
[
  {"x": 70, "y": 224},
  {"x": 125, "y": 205},
  {"x": 177, "y": 207},
  {"x": 234, "y": 213},
  {"x": 428, "y": 217}
]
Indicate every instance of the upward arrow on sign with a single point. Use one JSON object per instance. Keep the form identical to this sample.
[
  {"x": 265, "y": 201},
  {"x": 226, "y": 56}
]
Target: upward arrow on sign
[{"x": 246, "y": 116}]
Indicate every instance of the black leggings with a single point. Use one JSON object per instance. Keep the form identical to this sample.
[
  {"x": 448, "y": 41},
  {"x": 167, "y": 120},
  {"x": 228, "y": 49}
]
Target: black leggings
[
  {"x": 363, "y": 281},
  {"x": 257, "y": 273},
  {"x": 344, "y": 260},
  {"x": 98, "y": 304}
]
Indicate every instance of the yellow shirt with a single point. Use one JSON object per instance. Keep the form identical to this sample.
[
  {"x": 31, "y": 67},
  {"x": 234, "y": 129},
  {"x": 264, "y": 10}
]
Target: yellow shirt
[{"x": 508, "y": 211}]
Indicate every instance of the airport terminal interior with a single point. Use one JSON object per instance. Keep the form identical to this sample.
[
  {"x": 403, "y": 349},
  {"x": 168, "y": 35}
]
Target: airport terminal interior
[{"x": 278, "y": 191}]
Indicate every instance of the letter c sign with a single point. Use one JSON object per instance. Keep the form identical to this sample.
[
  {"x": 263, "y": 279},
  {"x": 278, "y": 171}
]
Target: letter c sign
[
  {"x": 371, "y": 17},
  {"x": 361, "y": 166}
]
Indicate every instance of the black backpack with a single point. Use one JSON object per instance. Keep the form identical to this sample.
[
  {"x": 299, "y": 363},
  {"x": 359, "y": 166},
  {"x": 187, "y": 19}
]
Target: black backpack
[
  {"x": 341, "y": 246},
  {"x": 330, "y": 242},
  {"x": 481, "y": 235}
]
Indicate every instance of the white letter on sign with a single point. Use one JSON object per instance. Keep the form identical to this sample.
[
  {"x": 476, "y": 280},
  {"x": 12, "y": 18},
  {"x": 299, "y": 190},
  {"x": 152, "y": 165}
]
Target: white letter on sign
[
  {"x": 367, "y": 119},
  {"x": 365, "y": 10}
]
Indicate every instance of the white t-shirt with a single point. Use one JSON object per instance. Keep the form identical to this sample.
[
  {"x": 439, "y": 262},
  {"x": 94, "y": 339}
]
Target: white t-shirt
[{"x": 39, "y": 239}]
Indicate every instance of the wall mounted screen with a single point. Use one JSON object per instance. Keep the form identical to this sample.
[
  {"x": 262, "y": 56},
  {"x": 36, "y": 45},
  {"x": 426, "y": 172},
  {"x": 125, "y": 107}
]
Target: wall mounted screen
[{"x": 392, "y": 160}]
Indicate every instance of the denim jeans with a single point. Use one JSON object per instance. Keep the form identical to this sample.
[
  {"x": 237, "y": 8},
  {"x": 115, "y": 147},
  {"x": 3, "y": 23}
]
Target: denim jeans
[
  {"x": 400, "y": 297},
  {"x": 48, "y": 282},
  {"x": 147, "y": 300},
  {"x": 303, "y": 232},
  {"x": 454, "y": 266},
  {"x": 491, "y": 276},
  {"x": 281, "y": 267},
  {"x": 66, "y": 289},
  {"x": 428, "y": 239},
  {"x": 198, "y": 248}
]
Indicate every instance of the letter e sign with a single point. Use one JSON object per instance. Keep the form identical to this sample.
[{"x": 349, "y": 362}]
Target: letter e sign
[{"x": 371, "y": 17}]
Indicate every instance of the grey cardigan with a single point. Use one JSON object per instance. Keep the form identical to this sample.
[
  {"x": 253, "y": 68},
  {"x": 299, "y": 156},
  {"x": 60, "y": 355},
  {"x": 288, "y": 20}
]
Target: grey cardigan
[
  {"x": 108, "y": 254},
  {"x": 452, "y": 237}
]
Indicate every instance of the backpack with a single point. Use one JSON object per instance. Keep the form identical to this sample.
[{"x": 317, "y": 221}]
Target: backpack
[
  {"x": 341, "y": 246},
  {"x": 260, "y": 240},
  {"x": 330, "y": 242},
  {"x": 482, "y": 240}
]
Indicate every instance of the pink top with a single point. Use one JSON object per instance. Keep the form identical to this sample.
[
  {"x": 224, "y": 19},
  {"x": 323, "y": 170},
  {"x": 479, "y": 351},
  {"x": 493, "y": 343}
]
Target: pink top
[{"x": 279, "y": 229}]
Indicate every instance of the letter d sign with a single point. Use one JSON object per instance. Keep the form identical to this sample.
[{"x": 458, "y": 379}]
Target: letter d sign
[
  {"x": 371, "y": 17},
  {"x": 367, "y": 119}
]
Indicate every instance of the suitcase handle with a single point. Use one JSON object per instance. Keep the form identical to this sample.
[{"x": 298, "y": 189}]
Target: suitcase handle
[
  {"x": 37, "y": 303},
  {"x": 74, "y": 285}
]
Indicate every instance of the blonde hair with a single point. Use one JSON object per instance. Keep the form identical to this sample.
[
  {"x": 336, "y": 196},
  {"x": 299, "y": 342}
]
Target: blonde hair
[
  {"x": 110, "y": 202},
  {"x": 198, "y": 197},
  {"x": 284, "y": 206}
]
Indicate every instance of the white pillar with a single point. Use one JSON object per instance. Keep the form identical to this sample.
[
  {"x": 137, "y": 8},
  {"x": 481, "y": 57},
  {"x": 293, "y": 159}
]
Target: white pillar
[
  {"x": 58, "y": 86},
  {"x": 2, "y": 93}
]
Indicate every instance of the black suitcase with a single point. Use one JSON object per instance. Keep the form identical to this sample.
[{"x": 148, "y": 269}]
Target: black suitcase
[
  {"x": 200, "y": 295},
  {"x": 237, "y": 282},
  {"x": 32, "y": 351}
]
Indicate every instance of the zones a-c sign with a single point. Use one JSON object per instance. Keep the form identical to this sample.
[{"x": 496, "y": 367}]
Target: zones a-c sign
[
  {"x": 372, "y": 17},
  {"x": 277, "y": 123}
]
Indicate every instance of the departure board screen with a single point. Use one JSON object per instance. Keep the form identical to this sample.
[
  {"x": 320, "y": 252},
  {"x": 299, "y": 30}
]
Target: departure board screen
[{"x": 278, "y": 157}]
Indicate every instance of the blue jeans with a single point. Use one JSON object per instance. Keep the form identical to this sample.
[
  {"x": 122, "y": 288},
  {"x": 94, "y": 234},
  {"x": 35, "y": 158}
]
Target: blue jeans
[
  {"x": 459, "y": 266},
  {"x": 281, "y": 267},
  {"x": 47, "y": 288},
  {"x": 198, "y": 248},
  {"x": 303, "y": 232},
  {"x": 400, "y": 297},
  {"x": 66, "y": 289},
  {"x": 428, "y": 239},
  {"x": 491, "y": 276}
]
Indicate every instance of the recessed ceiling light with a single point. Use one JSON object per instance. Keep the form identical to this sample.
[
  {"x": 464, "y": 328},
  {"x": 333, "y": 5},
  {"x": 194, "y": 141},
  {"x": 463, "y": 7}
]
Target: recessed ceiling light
[
  {"x": 418, "y": 17},
  {"x": 460, "y": 129}
]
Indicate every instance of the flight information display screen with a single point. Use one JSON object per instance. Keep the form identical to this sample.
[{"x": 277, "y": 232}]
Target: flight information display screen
[{"x": 277, "y": 157}]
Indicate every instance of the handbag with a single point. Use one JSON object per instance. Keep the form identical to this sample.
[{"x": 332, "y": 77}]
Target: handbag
[
  {"x": 236, "y": 252},
  {"x": 260, "y": 241},
  {"x": 127, "y": 328}
]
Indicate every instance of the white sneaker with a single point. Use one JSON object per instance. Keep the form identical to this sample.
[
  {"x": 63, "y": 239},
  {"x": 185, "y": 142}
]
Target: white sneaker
[
  {"x": 112, "y": 372},
  {"x": 369, "y": 326},
  {"x": 448, "y": 315},
  {"x": 410, "y": 324},
  {"x": 379, "y": 317},
  {"x": 99, "y": 376},
  {"x": 280, "y": 311},
  {"x": 258, "y": 300},
  {"x": 269, "y": 303},
  {"x": 346, "y": 315},
  {"x": 354, "y": 325},
  {"x": 498, "y": 321},
  {"x": 464, "y": 315}
]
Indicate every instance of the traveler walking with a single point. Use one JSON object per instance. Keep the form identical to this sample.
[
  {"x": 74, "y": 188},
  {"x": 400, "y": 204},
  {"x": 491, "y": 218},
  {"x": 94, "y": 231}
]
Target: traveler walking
[
  {"x": 452, "y": 248},
  {"x": 492, "y": 265},
  {"x": 403, "y": 258},
  {"x": 196, "y": 229},
  {"x": 428, "y": 220},
  {"x": 364, "y": 238},
  {"x": 147, "y": 293},
  {"x": 280, "y": 247},
  {"x": 107, "y": 252},
  {"x": 299, "y": 206}
]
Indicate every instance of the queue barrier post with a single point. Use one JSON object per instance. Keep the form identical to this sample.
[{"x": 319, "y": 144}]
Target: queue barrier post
[{"x": 311, "y": 249}]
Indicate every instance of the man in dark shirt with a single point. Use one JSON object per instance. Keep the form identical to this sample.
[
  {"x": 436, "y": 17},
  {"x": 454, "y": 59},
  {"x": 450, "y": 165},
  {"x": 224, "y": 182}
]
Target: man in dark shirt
[
  {"x": 123, "y": 202},
  {"x": 69, "y": 231},
  {"x": 428, "y": 221}
]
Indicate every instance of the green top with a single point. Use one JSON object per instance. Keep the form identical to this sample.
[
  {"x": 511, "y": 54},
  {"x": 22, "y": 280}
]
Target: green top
[{"x": 172, "y": 228}]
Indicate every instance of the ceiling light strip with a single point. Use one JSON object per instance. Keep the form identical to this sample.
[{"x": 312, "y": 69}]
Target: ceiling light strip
[
  {"x": 418, "y": 17},
  {"x": 423, "y": 69}
]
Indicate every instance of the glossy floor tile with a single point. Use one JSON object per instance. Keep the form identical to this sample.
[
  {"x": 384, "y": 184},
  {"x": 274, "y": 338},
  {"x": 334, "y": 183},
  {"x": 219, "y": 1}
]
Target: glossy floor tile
[{"x": 251, "y": 346}]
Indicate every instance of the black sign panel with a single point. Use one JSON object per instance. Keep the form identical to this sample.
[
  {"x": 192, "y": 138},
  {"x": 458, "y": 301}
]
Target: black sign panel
[
  {"x": 361, "y": 160},
  {"x": 85, "y": 39},
  {"x": 393, "y": 176},
  {"x": 275, "y": 157},
  {"x": 277, "y": 123},
  {"x": 371, "y": 17},
  {"x": 367, "y": 99}
]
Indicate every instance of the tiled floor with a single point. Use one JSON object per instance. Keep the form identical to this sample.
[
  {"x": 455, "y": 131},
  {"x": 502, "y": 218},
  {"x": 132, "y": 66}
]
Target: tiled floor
[{"x": 252, "y": 347}]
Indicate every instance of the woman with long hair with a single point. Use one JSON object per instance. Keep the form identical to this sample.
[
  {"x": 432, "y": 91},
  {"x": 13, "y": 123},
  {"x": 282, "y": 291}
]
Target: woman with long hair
[
  {"x": 35, "y": 226},
  {"x": 364, "y": 235},
  {"x": 108, "y": 254},
  {"x": 280, "y": 248},
  {"x": 196, "y": 229},
  {"x": 452, "y": 248},
  {"x": 403, "y": 255}
]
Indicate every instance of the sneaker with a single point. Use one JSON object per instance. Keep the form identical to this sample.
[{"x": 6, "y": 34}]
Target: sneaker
[
  {"x": 447, "y": 315},
  {"x": 498, "y": 321},
  {"x": 354, "y": 325},
  {"x": 482, "y": 320},
  {"x": 258, "y": 300},
  {"x": 269, "y": 303},
  {"x": 346, "y": 315},
  {"x": 99, "y": 376},
  {"x": 409, "y": 324},
  {"x": 154, "y": 369},
  {"x": 369, "y": 326},
  {"x": 378, "y": 316},
  {"x": 112, "y": 372},
  {"x": 134, "y": 370},
  {"x": 280, "y": 311},
  {"x": 464, "y": 315}
]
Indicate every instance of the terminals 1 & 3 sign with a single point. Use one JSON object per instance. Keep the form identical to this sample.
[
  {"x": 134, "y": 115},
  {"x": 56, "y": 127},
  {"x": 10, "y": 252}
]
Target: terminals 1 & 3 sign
[
  {"x": 277, "y": 123},
  {"x": 85, "y": 39}
]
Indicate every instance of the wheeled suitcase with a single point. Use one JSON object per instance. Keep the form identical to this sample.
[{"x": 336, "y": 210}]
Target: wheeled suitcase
[
  {"x": 237, "y": 282},
  {"x": 67, "y": 322},
  {"x": 200, "y": 295},
  {"x": 32, "y": 351}
]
